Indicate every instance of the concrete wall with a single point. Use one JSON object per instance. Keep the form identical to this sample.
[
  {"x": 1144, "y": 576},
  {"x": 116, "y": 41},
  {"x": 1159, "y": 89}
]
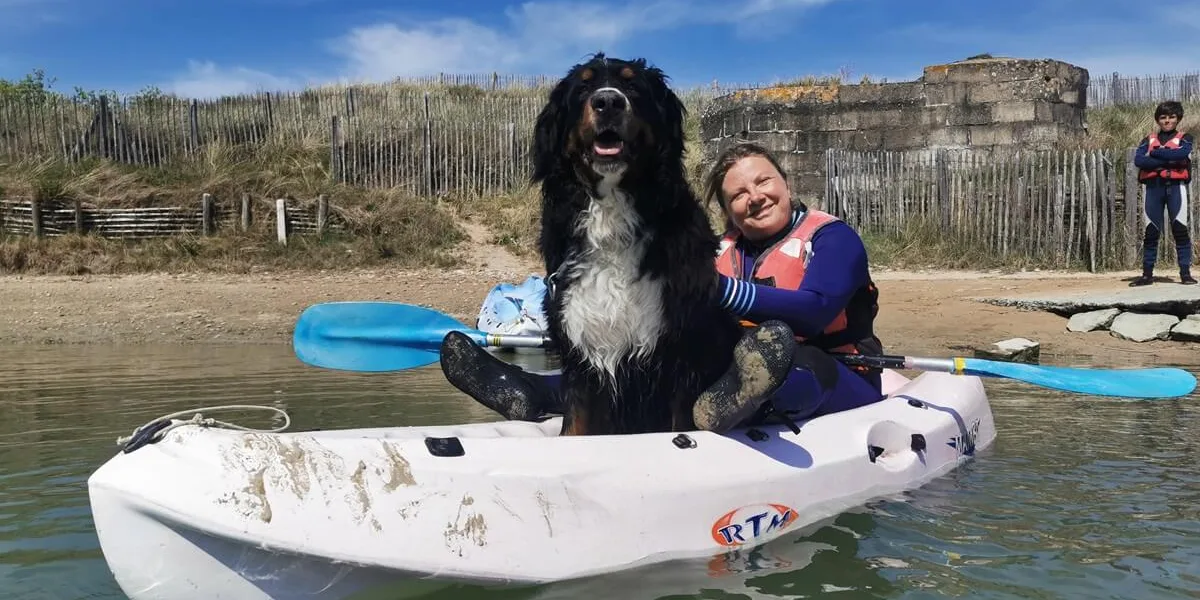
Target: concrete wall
[{"x": 990, "y": 102}]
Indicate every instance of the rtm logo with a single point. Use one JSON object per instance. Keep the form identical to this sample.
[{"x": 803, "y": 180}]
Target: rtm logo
[
  {"x": 964, "y": 443},
  {"x": 748, "y": 523}
]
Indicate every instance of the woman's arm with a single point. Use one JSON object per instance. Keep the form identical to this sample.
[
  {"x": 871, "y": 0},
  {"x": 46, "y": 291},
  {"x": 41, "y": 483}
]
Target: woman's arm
[{"x": 837, "y": 269}]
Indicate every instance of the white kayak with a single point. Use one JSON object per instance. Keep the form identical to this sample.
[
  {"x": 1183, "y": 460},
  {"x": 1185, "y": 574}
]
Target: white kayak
[{"x": 217, "y": 513}]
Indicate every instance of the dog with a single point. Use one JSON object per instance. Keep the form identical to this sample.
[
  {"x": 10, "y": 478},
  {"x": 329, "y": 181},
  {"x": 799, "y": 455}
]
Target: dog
[{"x": 632, "y": 297}]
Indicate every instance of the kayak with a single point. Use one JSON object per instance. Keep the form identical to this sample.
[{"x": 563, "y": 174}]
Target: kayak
[{"x": 210, "y": 512}]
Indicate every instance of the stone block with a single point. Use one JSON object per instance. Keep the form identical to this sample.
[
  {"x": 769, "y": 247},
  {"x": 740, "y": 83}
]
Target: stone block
[
  {"x": 949, "y": 136},
  {"x": 993, "y": 70},
  {"x": 817, "y": 141},
  {"x": 1142, "y": 327},
  {"x": 945, "y": 93},
  {"x": 1002, "y": 91},
  {"x": 1039, "y": 134},
  {"x": 843, "y": 120},
  {"x": 991, "y": 135},
  {"x": 878, "y": 119},
  {"x": 861, "y": 140},
  {"x": 904, "y": 138},
  {"x": 1092, "y": 320},
  {"x": 969, "y": 114},
  {"x": 1012, "y": 111},
  {"x": 1015, "y": 350},
  {"x": 909, "y": 93},
  {"x": 1187, "y": 330}
]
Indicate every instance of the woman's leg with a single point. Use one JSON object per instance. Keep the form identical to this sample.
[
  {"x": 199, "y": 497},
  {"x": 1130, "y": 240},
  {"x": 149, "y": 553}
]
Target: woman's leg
[
  {"x": 506, "y": 388},
  {"x": 820, "y": 385}
]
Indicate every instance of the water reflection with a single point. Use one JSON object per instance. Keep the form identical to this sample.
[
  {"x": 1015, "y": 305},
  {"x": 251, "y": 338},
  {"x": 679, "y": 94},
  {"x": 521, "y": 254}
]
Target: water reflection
[{"x": 1080, "y": 497}]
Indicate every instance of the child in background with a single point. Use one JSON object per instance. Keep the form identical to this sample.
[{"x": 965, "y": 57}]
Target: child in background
[{"x": 1165, "y": 168}]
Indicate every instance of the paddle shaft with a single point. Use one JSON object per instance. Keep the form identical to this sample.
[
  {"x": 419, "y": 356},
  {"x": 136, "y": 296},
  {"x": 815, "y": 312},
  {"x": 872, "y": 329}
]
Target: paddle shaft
[{"x": 946, "y": 365}]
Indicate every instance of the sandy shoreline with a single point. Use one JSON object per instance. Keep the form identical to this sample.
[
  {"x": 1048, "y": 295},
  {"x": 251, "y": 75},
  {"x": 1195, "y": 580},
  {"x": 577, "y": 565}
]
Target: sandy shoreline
[{"x": 921, "y": 311}]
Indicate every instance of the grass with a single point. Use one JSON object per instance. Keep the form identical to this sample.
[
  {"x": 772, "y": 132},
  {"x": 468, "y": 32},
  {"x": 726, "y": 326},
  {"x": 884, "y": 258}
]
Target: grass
[{"x": 383, "y": 226}]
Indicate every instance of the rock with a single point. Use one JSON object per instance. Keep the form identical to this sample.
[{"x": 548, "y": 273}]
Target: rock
[
  {"x": 1015, "y": 349},
  {"x": 1141, "y": 327},
  {"x": 1092, "y": 320},
  {"x": 1187, "y": 330},
  {"x": 1157, "y": 298}
]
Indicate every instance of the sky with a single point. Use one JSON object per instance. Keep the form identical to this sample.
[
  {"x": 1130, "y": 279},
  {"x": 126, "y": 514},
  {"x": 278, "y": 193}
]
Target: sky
[{"x": 209, "y": 48}]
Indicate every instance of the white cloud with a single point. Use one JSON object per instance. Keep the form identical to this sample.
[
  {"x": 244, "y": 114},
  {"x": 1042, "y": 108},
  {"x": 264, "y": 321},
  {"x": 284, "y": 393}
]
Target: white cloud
[
  {"x": 207, "y": 80},
  {"x": 534, "y": 38}
]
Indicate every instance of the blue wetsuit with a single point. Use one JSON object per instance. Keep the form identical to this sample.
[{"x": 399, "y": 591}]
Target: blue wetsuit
[
  {"x": 1161, "y": 194},
  {"x": 836, "y": 271}
]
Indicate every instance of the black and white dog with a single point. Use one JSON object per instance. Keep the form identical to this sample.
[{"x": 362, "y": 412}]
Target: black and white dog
[{"x": 629, "y": 253}]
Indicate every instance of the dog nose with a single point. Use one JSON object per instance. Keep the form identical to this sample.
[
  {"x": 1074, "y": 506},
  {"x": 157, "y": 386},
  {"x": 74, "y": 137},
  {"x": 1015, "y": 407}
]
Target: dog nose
[{"x": 607, "y": 101}]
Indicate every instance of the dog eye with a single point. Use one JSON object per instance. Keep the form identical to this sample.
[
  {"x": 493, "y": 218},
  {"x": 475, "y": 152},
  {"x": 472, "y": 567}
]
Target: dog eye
[
  {"x": 627, "y": 73},
  {"x": 586, "y": 74}
]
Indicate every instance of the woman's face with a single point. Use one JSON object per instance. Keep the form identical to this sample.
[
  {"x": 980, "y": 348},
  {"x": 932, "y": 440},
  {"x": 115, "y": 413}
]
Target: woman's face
[{"x": 757, "y": 198}]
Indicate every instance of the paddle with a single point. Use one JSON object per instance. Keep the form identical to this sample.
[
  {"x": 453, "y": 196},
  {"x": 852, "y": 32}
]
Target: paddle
[
  {"x": 391, "y": 336},
  {"x": 383, "y": 336}
]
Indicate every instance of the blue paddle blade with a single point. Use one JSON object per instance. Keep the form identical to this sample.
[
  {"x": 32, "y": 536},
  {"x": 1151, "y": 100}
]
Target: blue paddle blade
[
  {"x": 1163, "y": 382},
  {"x": 372, "y": 336}
]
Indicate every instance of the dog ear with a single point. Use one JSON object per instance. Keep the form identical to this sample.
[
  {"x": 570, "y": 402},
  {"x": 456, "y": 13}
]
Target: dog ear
[
  {"x": 672, "y": 112},
  {"x": 550, "y": 131}
]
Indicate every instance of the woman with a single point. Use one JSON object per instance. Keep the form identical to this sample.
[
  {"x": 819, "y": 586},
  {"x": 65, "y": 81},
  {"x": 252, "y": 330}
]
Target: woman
[
  {"x": 781, "y": 260},
  {"x": 777, "y": 261}
]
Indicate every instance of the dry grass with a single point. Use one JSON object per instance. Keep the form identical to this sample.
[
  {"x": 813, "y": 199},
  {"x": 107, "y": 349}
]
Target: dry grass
[
  {"x": 1125, "y": 126},
  {"x": 926, "y": 245},
  {"x": 387, "y": 225}
]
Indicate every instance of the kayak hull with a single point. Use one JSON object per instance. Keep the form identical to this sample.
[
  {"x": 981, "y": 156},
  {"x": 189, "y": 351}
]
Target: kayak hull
[{"x": 217, "y": 513}]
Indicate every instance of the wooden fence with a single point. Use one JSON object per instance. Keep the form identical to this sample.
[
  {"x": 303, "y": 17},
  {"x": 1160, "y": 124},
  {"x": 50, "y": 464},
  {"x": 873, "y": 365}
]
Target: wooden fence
[
  {"x": 1066, "y": 209},
  {"x": 206, "y": 217},
  {"x": 1116, "y": 89},
  {"x": 448, "y": 140}
]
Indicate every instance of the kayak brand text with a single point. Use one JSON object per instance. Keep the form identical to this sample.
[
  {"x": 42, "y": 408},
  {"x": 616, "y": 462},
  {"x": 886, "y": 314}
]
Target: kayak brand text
[
  {"x": 964, "y": 443},
  {"x": 749, "y": 523}
]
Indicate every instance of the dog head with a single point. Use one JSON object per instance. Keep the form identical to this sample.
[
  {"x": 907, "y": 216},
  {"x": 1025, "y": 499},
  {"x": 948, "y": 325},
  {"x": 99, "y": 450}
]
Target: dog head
[{"x": 608, "y": 117}]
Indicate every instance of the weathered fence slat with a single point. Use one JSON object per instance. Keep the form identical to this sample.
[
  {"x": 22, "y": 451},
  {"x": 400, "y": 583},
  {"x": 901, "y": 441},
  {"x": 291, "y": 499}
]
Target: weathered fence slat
[{"x": 1056, "y": 207}]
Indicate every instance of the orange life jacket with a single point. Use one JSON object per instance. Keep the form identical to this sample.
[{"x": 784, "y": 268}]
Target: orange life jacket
[
  {"x": 1181, "y": 172},
  {"x": 783, "y": 266}
]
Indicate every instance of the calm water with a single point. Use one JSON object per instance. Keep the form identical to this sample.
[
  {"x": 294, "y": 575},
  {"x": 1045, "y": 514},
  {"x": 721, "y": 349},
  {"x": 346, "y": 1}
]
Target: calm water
[{"x": 1079, "y": 498}]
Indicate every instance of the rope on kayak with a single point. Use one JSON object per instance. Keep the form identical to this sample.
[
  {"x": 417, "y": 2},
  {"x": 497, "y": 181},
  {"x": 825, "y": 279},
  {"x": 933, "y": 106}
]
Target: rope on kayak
[{"x": 155, "y": 430}]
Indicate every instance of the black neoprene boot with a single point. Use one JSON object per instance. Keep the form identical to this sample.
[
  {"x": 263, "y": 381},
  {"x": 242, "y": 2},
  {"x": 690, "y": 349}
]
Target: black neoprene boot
[
  {"x": 1185, "y": 277},
  {"x": 1147, "y": 278},
  {"x": 494, "y": 383},
  {"x": 762, "y": 360}
]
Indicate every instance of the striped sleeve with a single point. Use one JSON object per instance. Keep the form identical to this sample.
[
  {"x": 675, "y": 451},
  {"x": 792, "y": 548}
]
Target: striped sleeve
[{"x": 737, "y": 296}]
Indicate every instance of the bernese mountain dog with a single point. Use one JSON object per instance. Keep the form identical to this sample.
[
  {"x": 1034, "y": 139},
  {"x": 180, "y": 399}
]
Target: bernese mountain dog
[{"x": 632, "y": 301}]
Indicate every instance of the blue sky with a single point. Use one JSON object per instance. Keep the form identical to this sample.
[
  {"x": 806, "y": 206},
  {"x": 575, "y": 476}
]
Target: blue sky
[{"x": 207, "y": 48}]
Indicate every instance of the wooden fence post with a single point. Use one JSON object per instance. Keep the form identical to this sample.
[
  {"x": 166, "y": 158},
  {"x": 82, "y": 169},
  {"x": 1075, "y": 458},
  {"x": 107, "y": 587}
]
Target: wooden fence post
[
  {"x": 245, "y": 212},
  {"x": 281, "y": 220},
  {"x": 428, "y": 150},
  {"x": 35, "y": 215},
  {"x": 335, "y": 166},
  {"x": 79, "y": 217},
  {"x": 206, "y": 214},
  {"x": 322, "y": 213}
]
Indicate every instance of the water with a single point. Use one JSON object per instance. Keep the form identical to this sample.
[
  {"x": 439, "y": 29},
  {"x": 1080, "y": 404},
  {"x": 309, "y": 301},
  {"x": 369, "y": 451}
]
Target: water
[{"x": 1080, "y": 497}]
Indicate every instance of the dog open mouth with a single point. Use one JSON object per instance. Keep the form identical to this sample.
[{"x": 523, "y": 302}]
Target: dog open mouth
[{"x": 608, "y": 144}]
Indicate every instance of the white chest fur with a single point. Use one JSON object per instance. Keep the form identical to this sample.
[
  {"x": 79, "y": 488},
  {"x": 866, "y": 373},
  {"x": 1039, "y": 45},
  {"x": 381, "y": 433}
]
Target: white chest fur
[{"x": 608, "y": 312}]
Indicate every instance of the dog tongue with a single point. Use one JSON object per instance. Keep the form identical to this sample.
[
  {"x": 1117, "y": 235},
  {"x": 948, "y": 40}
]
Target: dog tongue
[{"x": 607, "y": 149}]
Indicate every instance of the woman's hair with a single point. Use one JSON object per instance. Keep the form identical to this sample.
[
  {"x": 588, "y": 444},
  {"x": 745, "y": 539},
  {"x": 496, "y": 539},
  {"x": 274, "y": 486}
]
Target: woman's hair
[{"x": 725, "y": 161}]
